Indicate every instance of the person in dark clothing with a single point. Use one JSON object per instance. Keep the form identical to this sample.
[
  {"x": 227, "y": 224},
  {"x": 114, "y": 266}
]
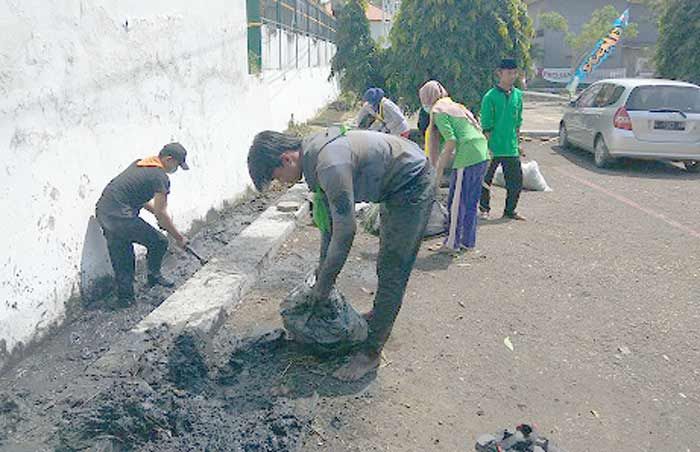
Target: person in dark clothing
[
  {"x": 143, "y": 184},
  {"x": 349, "y": 167},
  {"x": 423, "y": 120},
  {"x": 501, "y": 118}
]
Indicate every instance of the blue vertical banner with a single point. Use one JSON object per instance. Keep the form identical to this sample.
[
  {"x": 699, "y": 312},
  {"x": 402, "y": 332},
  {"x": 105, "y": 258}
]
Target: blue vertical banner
[{"x": 602, "y": 50}]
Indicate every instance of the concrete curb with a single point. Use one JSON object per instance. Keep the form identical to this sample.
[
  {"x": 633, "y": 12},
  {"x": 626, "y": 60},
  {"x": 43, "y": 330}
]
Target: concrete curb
[
  {"x": 203, "y": 302},
  {"x": 540, "y": 133}
]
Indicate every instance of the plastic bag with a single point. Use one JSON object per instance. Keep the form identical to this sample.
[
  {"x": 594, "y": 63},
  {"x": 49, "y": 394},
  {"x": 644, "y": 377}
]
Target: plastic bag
[
  {"x": 319, "y": 212},
  {"x": 327, "y": 326},
  {"x": 437, "y": 223},
  {"x": 532, "y": 177},
  {"x": 370, "y": 219}
]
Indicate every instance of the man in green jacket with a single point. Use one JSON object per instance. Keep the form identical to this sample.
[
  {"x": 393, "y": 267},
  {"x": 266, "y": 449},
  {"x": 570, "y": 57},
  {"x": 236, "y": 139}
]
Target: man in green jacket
[{"x": 501, "y": 118}]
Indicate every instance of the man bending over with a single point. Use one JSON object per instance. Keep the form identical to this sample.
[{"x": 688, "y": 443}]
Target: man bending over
[{"x": 357, "y": 166}]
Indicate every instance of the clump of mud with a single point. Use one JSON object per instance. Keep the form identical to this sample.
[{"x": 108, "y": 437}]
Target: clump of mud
[
  {"x": 127, "y": 414},
  {"x": 186, "y": 366},
  {"x": 9, "y": 416},
  {"x": 182, "y": 405}
]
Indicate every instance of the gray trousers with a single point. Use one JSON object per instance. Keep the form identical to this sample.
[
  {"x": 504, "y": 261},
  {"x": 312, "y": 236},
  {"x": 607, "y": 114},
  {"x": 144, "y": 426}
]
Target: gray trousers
[
  {"x": 121, "y": 234},
  {"x": 403, "y": 220}
]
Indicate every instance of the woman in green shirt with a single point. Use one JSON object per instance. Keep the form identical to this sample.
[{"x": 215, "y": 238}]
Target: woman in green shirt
[{"x": 466, "y": 149}]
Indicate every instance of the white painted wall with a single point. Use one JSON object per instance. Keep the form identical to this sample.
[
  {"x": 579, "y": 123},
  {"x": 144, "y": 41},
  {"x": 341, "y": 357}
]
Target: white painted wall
[{"x": 82, "y": 95}]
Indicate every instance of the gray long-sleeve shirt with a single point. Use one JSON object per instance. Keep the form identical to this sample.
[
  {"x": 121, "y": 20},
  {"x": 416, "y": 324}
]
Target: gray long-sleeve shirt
[
  {"x": 391, "y": 118},
  {"x": 355, "y": 167}
]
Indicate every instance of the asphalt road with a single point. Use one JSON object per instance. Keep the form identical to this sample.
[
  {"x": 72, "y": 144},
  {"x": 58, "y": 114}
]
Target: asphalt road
[
  {"x": 542, "y": 115},
  {"x": 596, "y": 292}
]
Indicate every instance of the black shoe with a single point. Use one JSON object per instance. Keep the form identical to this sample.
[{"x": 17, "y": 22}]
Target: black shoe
[
  {"x": 514, "y": 216},
  {"x": 123, "y": 301},
  {"x": 159, "y": 280}
]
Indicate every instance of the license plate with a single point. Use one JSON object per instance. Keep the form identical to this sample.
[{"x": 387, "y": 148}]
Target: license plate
[{"x": 669, "y": 125}]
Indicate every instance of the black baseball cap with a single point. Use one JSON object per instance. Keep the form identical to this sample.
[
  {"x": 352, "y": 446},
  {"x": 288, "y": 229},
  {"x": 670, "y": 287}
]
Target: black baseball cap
[
  {"x": 176, "y": 151},
  {"x": 508, "y": 63}
]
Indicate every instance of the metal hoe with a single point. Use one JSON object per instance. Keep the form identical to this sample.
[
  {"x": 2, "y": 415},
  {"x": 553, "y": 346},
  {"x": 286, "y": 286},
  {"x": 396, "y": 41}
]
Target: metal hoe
[{"x": 201, "y": 260}]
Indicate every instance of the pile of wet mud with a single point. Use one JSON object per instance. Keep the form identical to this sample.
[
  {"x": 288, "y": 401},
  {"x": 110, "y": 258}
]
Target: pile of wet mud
[
  {"x": 255, "y": 394},
  {"x": 135, "y": 415}
]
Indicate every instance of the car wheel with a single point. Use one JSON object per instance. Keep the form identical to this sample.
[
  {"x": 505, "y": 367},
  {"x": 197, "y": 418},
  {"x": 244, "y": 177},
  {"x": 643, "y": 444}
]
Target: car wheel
[
  {"x": 564, "y": 142},
  {"x": 692, "y": 166},
  {"x": 601, "y": 155}
]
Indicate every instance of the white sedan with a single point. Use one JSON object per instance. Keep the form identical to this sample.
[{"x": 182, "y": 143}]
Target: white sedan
[{"x": 639, "y": 118}]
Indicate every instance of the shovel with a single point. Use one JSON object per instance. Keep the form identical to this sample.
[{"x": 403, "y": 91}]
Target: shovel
[
  {"x": 191, "y": 251},
  {"x": 201, "y": 260}
]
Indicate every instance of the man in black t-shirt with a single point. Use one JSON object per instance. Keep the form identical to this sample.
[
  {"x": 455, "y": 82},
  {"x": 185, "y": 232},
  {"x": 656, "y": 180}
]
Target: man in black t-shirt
[{"x": 143, "y": 184}]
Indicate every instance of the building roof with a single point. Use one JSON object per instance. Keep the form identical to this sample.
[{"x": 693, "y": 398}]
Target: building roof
[{"x": 374, "y": 14}]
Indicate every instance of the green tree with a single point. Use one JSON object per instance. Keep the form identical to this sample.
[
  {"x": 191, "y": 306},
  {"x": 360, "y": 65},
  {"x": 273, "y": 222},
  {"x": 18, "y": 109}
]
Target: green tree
[
  {"x": 654, "y": 6},
  {"x": 457, "y": 42},
  {"x": 596, "y": 28},
  {"x": 356, "y": 59},
  {"x": 678, "y": 48},
  {"x": 552, "y": 20}
]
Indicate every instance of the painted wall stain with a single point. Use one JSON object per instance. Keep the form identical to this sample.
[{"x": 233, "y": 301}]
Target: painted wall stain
[
  {"x": 84, "y": 186},
  {"x": 46, "y": 223}
]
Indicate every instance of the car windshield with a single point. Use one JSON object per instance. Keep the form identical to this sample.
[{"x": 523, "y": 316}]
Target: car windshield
[{"x": 648, "y": 98}]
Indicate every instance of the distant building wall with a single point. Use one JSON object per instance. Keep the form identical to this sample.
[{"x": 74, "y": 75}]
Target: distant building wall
[{"x": 378, "y": 32}]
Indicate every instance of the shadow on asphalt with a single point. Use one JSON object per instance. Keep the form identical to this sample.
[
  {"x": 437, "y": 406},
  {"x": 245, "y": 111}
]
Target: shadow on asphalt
[
  {"x": 495, "y": 221},
  {"x": 649, "y": 169},
  {"x": 433, "y": 262}
]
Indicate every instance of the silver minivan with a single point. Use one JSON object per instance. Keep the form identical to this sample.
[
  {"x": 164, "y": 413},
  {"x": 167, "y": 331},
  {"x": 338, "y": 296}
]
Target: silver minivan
[{"x": 639, "y": 118}]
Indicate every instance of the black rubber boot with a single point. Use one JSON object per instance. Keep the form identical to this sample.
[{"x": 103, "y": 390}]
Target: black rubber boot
[
  {"x": 159, "y": 280},
  {"x": 122, "y": 301}
]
